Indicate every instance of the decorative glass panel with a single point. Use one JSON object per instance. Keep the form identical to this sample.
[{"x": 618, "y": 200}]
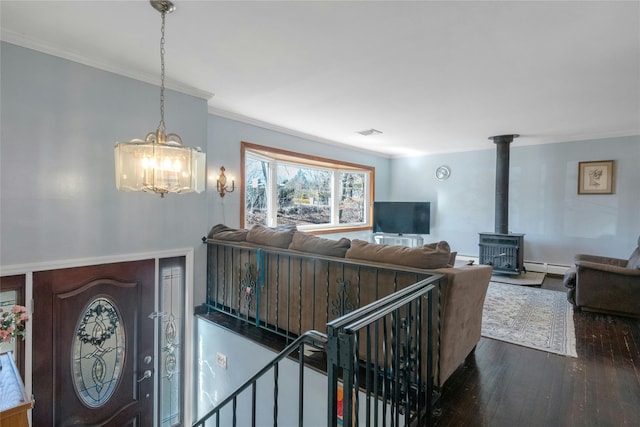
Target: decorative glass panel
[
  {"x": 171, "y": 336},
  {"x": 98, "y": 352}
]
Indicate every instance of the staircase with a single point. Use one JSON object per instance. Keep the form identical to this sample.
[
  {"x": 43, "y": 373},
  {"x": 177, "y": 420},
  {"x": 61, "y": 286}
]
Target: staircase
[{"x": 375, "y": 372}]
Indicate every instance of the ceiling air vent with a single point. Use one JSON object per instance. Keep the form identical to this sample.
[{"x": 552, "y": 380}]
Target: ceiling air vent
[{"x": 369, "y": 132}]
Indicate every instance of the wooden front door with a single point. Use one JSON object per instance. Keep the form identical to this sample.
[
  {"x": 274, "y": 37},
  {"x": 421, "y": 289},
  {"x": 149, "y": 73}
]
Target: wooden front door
[{"x": 93, "y": 345}]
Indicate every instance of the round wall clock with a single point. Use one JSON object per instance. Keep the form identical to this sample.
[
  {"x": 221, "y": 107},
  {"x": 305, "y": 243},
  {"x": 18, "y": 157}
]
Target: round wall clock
[{"x": 442, "y": 173}]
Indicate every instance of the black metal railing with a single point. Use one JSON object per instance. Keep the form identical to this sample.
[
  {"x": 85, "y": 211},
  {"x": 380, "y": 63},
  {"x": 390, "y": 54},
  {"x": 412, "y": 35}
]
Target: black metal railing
[
  {"x": 380, "y": 354},
  {"x": 288, "y": 292},
  {"x": 381, "y": 321},
  {"x": 230, "y": 418},
  {"x": 376, "y": 354}
]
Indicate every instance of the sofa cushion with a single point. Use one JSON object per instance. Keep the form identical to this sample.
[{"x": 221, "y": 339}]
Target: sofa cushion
[
  {"x": 261, "y": 235},
  {"x": 306, "y": 242},
  {"x": 452, "y": 259},
  {"x": 222, "y": 232},
  {"x": 432, "y": 255}
]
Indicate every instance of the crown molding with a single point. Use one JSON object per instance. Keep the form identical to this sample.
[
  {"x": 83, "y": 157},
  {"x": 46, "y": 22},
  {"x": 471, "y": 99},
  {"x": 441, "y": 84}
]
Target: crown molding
[
  {"x": 584, "y": 137},
  {"x": 40, "y": 46}
]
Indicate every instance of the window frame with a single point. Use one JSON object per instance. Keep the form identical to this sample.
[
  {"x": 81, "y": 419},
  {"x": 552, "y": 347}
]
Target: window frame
[{"x": 277, "y": 155}]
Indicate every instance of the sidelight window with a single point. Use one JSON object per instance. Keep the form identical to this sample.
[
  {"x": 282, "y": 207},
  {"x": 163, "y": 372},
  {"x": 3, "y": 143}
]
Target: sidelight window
[{"x": 171, "y": 340}]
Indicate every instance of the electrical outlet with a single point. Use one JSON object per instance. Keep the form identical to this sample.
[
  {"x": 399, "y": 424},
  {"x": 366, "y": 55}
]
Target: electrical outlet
[{"x": 221, "y": 360}]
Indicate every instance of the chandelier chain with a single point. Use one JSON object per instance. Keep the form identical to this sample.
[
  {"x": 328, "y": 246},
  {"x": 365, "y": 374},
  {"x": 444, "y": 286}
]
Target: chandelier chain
[{"x": 161, "y": 125}]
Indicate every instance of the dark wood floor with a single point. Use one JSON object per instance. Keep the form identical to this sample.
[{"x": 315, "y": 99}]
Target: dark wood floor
[{"x": 503, "y": 384}]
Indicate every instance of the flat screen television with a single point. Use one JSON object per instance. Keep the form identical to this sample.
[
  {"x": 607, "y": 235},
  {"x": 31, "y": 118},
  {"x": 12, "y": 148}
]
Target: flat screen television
[{"x": 401, "y": 217}]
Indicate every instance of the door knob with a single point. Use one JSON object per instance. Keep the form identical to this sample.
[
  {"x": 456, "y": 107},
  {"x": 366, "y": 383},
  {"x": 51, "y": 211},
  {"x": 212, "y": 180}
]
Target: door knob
[{"x": 146, "y": 374}]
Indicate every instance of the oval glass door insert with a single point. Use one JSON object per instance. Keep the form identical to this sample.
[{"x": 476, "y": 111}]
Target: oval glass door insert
[{"x": 98, "y": 352}]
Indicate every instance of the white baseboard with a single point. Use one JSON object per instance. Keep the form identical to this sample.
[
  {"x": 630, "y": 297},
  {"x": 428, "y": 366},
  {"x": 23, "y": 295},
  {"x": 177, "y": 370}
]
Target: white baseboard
[
  {"x": 558, "y": 269},
  {"x": 539, "y": 267},
  {"x": 543, "y": 267}
]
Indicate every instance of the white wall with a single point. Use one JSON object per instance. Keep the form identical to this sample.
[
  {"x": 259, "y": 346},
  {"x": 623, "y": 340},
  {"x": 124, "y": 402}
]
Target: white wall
[
  {"x": 543, "y": 199},
  {"x": 245, "y": 358}
]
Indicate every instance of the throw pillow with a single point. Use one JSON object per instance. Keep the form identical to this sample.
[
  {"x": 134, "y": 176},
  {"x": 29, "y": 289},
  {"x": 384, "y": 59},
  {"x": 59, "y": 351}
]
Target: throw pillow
[
  {"x": 433, "y": 255},
  {"x": 452, "y": 259},
  {"x": 261, "y": 235},
  {"x": 222, "y": 232},
  {"x": 306, "y": 242}
]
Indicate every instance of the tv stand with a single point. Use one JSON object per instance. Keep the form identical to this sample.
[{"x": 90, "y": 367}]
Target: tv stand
[{"x": 410, "y": 240}]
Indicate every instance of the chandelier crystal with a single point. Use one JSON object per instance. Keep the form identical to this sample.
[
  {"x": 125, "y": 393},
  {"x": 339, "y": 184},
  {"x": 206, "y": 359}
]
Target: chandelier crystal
[{"x": 160, "y": 163}]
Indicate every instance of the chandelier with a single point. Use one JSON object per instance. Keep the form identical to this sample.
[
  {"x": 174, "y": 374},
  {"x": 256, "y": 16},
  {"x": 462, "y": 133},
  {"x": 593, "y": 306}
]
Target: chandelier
[{"x": 160, "y": 163}]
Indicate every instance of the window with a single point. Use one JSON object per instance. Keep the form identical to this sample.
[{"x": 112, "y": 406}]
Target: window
[
  {"x": 316, "y": 194},
  {"x": 171, "y": 340},
  {"x": 12, "y": 292}
]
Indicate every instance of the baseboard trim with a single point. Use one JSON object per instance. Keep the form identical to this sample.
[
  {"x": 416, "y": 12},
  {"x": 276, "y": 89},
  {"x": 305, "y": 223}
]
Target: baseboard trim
[
  {"x": 543, "y": 267},
  {"x": 538, "y": 267}
]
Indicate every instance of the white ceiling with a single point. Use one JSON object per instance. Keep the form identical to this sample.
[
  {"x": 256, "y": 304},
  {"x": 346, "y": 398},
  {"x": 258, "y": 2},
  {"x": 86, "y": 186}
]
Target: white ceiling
[{"x": 434, "y": 77}]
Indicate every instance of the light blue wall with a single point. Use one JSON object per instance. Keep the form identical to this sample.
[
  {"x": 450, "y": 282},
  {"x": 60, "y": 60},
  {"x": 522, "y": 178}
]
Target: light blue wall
[
  {"x": 225, "y": 136},
  {"x": 60, "y": 121},
  {"x": 543, "y": 199}
]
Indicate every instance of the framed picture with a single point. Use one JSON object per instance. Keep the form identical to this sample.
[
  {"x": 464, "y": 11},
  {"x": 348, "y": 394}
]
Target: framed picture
[{"x": 596, "y": 177}]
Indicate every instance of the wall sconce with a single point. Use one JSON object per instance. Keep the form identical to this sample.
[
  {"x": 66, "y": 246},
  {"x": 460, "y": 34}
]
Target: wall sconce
[{"x": 222, "y": 183}]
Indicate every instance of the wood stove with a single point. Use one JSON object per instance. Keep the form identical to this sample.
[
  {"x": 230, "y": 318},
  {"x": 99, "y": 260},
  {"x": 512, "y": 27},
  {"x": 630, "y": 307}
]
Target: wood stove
[{"x": 502, "y": 250}]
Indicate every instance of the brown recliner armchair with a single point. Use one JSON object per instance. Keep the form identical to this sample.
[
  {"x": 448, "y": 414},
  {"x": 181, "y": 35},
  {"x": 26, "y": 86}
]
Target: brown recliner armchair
[{"x": 610, "y": 285}]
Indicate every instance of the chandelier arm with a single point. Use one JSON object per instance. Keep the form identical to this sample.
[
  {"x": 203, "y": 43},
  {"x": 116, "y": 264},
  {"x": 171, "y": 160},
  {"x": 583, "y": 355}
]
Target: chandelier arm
[
  {"x": 152, "y": 137},
  {"x": 174, "y": 137}
]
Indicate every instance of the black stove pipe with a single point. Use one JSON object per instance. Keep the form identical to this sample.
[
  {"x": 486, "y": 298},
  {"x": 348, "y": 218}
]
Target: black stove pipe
[{"x": 502, "y": 181}]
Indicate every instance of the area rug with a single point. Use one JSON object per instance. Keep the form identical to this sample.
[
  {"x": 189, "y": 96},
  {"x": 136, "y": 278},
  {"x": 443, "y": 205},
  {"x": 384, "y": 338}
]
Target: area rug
[
  {"x": 530, "y": 278},
  {"x": 532, "y": 317}
]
